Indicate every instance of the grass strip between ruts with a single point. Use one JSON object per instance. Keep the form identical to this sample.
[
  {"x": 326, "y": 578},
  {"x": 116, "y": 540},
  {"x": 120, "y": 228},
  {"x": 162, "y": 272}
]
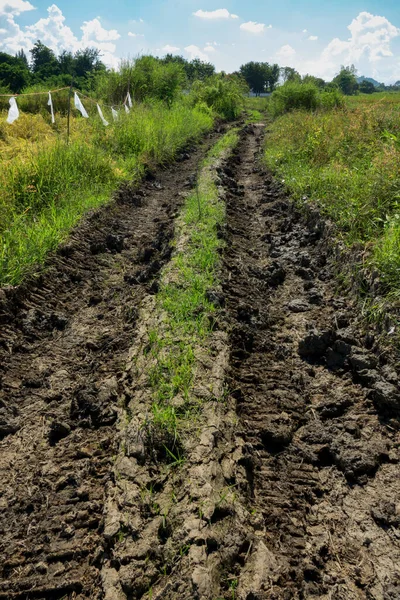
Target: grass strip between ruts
[{"x": 185, "y": 304}]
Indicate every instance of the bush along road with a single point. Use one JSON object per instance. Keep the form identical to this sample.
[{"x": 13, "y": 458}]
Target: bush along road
[{"x": 189, "y": 408}]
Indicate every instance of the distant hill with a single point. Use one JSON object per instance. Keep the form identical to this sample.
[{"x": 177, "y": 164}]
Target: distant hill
[{"x": 370, "y": 79}]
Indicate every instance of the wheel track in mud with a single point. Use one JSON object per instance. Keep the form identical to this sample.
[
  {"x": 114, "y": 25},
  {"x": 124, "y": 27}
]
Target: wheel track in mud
[
  {"x": 64, "y": 341},
  {"x": 317, "y": 507},
  {"x": 322, "y": 461}
]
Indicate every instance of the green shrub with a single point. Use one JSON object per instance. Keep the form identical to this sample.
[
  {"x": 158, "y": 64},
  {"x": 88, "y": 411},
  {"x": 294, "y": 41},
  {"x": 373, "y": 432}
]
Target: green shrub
[
  {"x": 146, "y": 77},
  {"x": 224, "y": 95},
  {"x": 302, "y": 96}
]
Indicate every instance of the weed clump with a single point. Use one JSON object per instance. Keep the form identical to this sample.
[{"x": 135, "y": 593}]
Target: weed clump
[{"x": 303, "y": 96}]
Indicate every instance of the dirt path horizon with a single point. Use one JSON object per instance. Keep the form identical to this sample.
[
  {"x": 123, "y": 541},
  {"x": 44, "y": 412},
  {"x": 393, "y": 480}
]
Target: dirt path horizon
[{"x": 302, "y": 452}]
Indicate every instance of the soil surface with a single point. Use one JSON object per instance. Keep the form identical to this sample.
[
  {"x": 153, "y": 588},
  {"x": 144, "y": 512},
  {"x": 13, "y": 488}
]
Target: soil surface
[
  {"x": 64, "y": 341},
  {"x": 290, "y": 488},
  {"x": 318, "y": 404}
]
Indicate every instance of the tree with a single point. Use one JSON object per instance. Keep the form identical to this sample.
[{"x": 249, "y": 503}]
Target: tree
[
  {"x": 260, "y": 77},
  {"x": 44, "y": 62},
  {"x": 198, "y": 69},
  {"x": 87, "y": 61},
  {"x": 273, "y": 73},
  {"x": 290, "y": 74},
  {"x": 346, "y": 80},
  {"x": 66, "y": 63},
  {"x": 367, "y": 87},
  {"x": 14, "y": 74},
  {"x": 256, "y": 75},
  {"x": 317, "y": 81},
  {"x": 22, "y": 57}
]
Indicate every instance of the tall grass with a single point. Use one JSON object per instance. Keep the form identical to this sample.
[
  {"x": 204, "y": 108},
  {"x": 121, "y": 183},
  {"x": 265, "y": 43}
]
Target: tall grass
[
  {"x": 45, "y": 189},
  {"x": 348, "y": 161},
  {"x": 303, "y": 96}
]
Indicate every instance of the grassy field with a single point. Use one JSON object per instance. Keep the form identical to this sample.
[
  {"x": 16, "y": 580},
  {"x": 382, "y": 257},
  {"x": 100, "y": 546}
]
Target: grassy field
[
  {"x": 46, "y": 185},
  {"x": 348, "y": 161}
]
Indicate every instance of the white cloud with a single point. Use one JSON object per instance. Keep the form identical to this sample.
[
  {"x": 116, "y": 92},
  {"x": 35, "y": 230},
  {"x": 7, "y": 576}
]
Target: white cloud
[
  {"x": 170, "y": 49},
  {"x": 369, "y": 48},
  {"x": 54, "y": 33},
  {"x": 313, "y": 38},
  {"x": 305, "y": 30},
  {"x": 209, "y": 48},
  {"x": 134, "y": 35},
  {"x": 92, "y": 30},
  {"x": 254, "y": 27},
  {"x": 220, "y": 13},
  {"x": 14, "y": 7},
  {"x": 286, "y": 52},
  {"x": 370, "y": 37},
  {"x": 195, "y": 52}
]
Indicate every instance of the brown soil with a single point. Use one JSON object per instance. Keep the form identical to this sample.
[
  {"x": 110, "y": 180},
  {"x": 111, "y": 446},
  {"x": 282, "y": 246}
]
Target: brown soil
[
  {"x": 290, "y": 488},
  {"x": 64, "y": 342},
  {"x": 317, "y": 403}
]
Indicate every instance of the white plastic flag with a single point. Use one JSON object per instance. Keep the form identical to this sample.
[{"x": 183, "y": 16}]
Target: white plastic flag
[
  {"x": 129, "y": 100},
  {"x": 79, "y": 106},
  {"x": 114, "y": 114},
  {"x": 50, "y": 103},
  {"x": 105, "y": 123},
  {"x": 13, "y": 112},
  {"x": 126, "y": 108}
]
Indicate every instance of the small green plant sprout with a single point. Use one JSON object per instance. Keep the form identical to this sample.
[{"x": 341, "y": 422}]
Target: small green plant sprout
[
  {"x": 233, "y": 587},
  {"x": 176, "y": 459},
  {"x": 184, "y": 550},
  {"x": 224, "y": 495}
]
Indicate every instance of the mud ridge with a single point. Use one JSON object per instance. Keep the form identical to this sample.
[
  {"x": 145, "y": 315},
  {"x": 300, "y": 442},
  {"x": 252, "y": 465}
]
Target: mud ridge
[
  {"x": 64, "y": 343},
  {"x": 318, "y": 404}
]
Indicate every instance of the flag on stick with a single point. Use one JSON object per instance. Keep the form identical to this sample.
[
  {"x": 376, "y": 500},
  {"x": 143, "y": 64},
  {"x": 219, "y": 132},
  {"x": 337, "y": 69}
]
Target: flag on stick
[
  {"x": 105, "y": 123},
  {"x": 50, "y": 103},
  {"x": 79, "y": 106},
  {"x": 13, "y": 112}
]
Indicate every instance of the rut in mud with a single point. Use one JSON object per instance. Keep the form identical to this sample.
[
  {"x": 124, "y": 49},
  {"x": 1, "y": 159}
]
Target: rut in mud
[
  {"x": 64, "y": 340},
  {"x": 317, "y": 403},
  {"x": 289, "y": 488}
]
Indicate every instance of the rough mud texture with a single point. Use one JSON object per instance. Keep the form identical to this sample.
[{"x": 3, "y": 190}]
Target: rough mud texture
[
  {"x": 318, "y": 406},
  {"x": 167, "y": 525},
  {"x": 64, "y": 342},
  {"x": 290, "y": 487}
]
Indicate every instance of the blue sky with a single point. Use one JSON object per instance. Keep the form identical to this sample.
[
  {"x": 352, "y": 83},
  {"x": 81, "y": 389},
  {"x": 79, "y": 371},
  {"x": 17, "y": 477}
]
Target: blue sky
[{"x": 309, "y": 35}]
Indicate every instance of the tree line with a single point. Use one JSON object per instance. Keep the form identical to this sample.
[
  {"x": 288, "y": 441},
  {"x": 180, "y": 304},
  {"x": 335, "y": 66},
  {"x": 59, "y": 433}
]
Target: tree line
[
  {"x": 264, "y": 78},
  {"x": 85, "y": 68}
]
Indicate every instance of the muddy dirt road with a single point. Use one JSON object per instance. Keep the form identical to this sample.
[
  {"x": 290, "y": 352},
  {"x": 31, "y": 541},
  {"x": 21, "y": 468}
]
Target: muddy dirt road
[
  {"x": 63, "y": 346},
  {"x": 317, "y": 407},
  {"x": 305, "y": 453}
]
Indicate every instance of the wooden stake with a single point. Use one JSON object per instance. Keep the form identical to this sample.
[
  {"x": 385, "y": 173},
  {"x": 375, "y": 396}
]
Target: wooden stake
[{"x": 69, "y": 108}]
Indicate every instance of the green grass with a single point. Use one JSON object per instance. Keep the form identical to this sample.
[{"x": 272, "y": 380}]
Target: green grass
[
  {"x": 182, "y": 300},
  {"x": 347, "y": 161},
  {"x": 45, "y": 192}
]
